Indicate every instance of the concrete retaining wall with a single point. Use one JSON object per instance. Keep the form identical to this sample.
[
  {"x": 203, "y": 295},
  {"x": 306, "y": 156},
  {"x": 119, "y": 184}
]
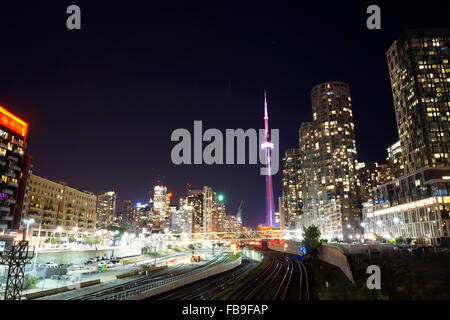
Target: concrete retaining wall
[
  {"x": 39, "y": 294},
  {"x": 329, "y": 254},
  {"x": 190, "y": 279},
  {"x": 80, "y": 256},
  {"x": 336, "y": 257}
]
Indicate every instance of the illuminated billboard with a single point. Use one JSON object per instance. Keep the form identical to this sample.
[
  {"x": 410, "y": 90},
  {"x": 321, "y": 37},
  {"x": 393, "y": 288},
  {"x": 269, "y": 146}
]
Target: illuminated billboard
[{"x": 13, "y": 123}]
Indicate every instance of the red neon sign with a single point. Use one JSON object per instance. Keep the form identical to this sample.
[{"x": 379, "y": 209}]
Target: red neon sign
[{"x": 13, "y": 123}]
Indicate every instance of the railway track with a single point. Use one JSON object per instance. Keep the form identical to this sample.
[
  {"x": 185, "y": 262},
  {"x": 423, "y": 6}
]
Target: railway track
[
  {"x": 209, "y": 287},
  {"x": 284, "y": 277}
]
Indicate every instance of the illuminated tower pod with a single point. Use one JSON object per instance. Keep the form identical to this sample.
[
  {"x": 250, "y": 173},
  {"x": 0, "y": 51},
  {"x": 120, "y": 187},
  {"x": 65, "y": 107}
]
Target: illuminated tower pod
[{"x": 268, "y": 146}]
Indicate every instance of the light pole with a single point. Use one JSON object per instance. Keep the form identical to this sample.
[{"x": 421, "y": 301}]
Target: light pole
[
  {"x": 39, "y": 238},
  {"x": 28, "y": 222}
]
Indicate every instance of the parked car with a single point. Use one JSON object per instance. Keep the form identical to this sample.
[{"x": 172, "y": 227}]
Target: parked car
[
  {"x": 91, "y": 260},
  {"x": 99, "y": 258},
  {"x": 110, "y": 265},
  {"x": 50, "y": 265}
]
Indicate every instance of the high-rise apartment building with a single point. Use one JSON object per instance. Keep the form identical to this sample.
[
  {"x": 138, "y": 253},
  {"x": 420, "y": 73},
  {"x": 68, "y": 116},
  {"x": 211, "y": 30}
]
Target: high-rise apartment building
[
  {"x": 58, "y": 211},
  {"x": 335, "y": 160},
  {"x": 232, "y": 224},
  {"x": 371, "y": 175},
  {"x": 14, "y": 168},
  {"x": 395, "y": 160},
  {"x": 218, "y": 217},
  {"x": 307, "y": 191},
  {"x": 419, "y": 70},
  {"x": 160, "y": 200},
  {"x": 291, "y": 180},
  {"x": 416, "y": 204},
  {"x": 209, "y": 202},
  {"x": 180, "y": 221},
  {"x": 127, "y": 208},
  {"x": 195, "y": 200},
  {"x": 106, "y": 208}
]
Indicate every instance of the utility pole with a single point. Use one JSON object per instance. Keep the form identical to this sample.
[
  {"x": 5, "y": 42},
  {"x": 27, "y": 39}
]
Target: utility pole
[{"x": 16, "y": 257}]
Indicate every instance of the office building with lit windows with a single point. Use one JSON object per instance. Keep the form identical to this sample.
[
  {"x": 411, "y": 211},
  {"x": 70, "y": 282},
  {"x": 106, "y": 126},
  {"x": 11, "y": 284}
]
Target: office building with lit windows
[
  {"x": 58, "y": 211},
  {"x": 14, "y": 168},
  {"x": 106, "y": 208}
]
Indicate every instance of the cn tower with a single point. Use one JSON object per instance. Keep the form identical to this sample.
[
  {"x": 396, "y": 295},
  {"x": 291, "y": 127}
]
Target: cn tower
[{"x": 268, "y": 146}]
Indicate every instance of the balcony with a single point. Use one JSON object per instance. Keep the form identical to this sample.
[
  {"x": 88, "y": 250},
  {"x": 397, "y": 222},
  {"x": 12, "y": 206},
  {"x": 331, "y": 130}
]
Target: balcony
[
  {"x": 10, "y": 174},
  {"x": 18, "y": 151},
  {"x": 5, "y": 208},
  {"x": 2, "y": 163},
  {"x": 14, "y": 167},
  {"x": 13, "y": 184},
  {"x": 17, "y": 142},
  {"x": 8, "y": 191},
  {"x": 10, "y": 201},
  {"x": 13, "y": 158}
]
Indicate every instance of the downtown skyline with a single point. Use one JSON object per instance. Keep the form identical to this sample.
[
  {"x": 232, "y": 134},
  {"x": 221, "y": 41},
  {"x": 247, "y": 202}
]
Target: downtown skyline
[{"x": 101, "y": 118}]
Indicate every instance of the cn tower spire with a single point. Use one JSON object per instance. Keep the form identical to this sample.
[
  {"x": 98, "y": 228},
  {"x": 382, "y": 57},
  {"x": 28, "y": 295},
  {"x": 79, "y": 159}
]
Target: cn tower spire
[
  {"x": 266, "y": 118},
  {"x": 267, "y": 145}
]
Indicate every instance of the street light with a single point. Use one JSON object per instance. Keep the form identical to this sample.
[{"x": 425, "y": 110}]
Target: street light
[
  {"x": 28, "y": 222},
  {"x": 220, "y": 197}
]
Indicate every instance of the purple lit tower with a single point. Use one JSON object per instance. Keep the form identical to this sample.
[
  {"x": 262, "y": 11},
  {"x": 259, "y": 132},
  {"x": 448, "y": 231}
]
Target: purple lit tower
[{"x": 268, "y": 146}]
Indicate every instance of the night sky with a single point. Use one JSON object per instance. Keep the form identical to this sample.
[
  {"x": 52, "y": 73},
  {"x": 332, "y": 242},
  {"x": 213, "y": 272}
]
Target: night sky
[{"x": 102, "y": 102}]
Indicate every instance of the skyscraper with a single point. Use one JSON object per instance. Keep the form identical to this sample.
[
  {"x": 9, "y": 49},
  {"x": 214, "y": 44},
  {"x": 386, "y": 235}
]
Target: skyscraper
[
  {"x": 292, "y": 202},
  {"x": 416, "y": 204},
  {"x": 160, "y": 200},
  {"x": 307, "y": 184},
  {"x": 218, "y": 217},
  {"x": 14, "y": 167},
  {"x": 106, "y": 208},
  {"x": 395, "y": 160},
  {"x": 419, "y": 70},
  {"x": 371, "y": 175},
  {"x": 194, "y": 200}
]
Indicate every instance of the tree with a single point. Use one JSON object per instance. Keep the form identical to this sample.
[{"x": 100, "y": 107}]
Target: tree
[
  {"x": 55, "y": 240},
  {"x": 97, "y": 240},
  {"x": 311, "y": 239},
  {"x": 89, "y": 241}
]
